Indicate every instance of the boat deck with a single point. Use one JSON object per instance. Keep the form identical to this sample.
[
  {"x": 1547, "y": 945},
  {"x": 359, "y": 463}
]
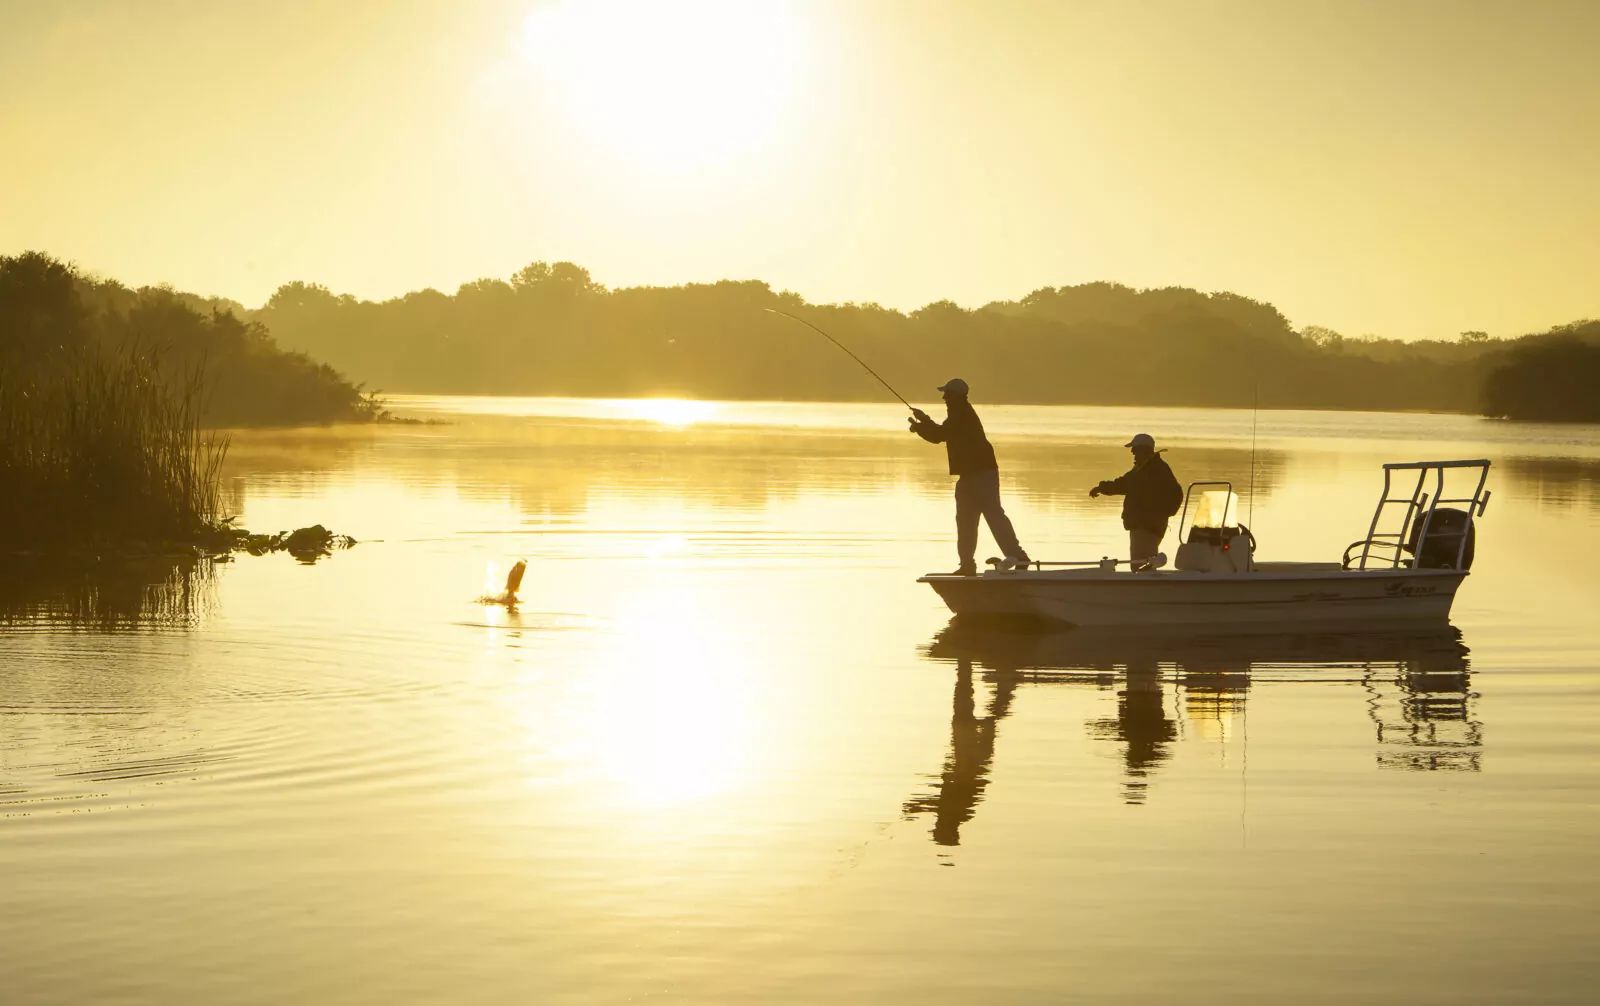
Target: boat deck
[{"x": 1261, "y": 571}]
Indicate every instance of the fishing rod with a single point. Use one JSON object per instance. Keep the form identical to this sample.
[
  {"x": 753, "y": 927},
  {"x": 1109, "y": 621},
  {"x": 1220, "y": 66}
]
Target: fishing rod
[
  {"x": 836, "y": 342},
  {"x": 1255, "y": 410}
]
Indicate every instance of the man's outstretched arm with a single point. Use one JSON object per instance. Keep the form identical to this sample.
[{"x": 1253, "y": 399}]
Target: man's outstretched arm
[
  {"x": 923, "y": 426},
  {"x": 1112, "y": 487}
]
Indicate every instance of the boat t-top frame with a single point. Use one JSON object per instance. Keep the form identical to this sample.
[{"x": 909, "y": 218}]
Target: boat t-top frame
[{"x": 1421, "y": 510}]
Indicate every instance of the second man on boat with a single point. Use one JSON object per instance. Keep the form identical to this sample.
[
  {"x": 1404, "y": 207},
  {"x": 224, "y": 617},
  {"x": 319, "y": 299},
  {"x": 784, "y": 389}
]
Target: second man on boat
[{"x": 1151, "y": 495}]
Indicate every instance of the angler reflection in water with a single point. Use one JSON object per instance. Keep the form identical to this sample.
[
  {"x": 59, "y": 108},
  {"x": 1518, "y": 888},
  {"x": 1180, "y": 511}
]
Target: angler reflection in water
[
  {"x": 1416, "y": 687},
  {"x": 1142, "y": 725},
  {"x": 966, "y": 770}
]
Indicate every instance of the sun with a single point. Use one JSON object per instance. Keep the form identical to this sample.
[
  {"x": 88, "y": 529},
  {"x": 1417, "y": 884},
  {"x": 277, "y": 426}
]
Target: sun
[{"x": 669, "y": 83}]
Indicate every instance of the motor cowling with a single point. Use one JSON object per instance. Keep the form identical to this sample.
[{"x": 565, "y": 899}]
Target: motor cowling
[{"x": 1443, "y": 543}]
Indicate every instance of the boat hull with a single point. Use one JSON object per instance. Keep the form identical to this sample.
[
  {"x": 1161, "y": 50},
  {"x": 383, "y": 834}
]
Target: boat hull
[{"x": 1277, "y": 597}]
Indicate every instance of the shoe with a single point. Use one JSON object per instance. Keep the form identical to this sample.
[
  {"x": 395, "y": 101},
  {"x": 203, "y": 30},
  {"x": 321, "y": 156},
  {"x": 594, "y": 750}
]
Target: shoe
[
  {"x": 1010, "y": 564},
  {"x": 965, "y": 570}
]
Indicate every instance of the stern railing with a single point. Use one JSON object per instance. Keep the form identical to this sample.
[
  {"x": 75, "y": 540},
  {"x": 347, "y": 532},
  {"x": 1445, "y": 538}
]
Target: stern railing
[{"x": 1419, "y": 505}]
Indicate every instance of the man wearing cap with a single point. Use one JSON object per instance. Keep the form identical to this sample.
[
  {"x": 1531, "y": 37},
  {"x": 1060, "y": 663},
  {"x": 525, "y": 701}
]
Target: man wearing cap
[
  {"x": 977, "y": 478},
  {"x": 1151, "y": 495}
]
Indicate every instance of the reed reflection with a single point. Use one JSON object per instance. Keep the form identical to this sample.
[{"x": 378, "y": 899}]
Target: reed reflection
[
  {"x": 106, "y": 595},
  {"x": 1416, "y": 686}
]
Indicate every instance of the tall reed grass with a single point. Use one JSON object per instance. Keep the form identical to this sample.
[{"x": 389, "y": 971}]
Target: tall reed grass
[{"x": 103, "y": 448}]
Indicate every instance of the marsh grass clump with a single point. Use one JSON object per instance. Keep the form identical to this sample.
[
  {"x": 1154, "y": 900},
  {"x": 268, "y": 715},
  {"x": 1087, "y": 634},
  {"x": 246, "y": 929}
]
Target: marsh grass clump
[
  {"x": 103, "y": 446},
  {"x": 108, "y": 397}
]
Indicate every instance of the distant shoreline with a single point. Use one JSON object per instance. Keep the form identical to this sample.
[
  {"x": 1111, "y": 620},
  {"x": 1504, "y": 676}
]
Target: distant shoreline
[
  {"x": 396, "y": 401},
  {"x": 551, "y": 330}
]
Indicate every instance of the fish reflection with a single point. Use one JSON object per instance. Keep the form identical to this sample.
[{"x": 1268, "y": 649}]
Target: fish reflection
[{"x": 1416, "y": 685}]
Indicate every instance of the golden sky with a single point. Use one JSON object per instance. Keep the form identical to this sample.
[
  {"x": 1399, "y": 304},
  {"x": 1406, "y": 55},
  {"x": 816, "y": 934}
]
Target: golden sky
[{"x": 1400, "y": 168}]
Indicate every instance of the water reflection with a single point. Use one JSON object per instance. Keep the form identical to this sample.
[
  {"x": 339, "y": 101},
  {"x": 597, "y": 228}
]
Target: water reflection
[
  {"x": 1141, "y": 726},
  {"x": 558, "y": 467},
  {"x": 1416, "y": 685},
  {"x": 960, "y": 787},
  {"x": 1557, "y": 481},
  {"x": 106, "y": 594},
  {"x": 1425, "y": 719}
]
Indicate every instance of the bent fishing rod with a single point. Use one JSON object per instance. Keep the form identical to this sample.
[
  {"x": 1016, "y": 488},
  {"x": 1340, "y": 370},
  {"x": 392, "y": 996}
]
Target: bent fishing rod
[{"x": 836, "y": 342}]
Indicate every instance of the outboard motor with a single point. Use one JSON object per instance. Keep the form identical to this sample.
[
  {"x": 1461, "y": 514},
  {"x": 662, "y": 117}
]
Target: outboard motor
[{"x": 1443, "y": 543}]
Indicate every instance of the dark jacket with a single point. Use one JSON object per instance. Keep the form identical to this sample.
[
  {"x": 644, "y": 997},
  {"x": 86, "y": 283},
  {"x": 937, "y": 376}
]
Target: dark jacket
[
  {"x": 1152, "y": 495},
  {"x": 963, "y": 439}
]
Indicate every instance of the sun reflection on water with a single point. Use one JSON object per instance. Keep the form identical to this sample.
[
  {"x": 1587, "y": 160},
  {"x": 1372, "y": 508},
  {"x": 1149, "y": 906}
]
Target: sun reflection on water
[
  {"x": 669, "y": 411},
  {"x": 672, "y": 709}
]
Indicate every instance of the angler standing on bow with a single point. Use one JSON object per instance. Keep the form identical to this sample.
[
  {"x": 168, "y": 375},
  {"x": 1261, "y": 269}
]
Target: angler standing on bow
[{"x": 977, "y": 478}]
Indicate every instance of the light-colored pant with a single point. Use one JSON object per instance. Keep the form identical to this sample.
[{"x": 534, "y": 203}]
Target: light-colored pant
[
  {"x": 978, "y": 495},
  {"x": 1143, "y": 543}
]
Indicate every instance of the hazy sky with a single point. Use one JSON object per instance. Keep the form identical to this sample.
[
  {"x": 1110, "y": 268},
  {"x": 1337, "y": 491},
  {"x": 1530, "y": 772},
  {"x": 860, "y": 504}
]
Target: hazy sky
[{"x": 1398, "y": 168}]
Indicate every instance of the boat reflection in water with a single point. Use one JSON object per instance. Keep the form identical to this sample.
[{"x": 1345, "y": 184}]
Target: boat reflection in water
[{"x": 1415, "y": 682}]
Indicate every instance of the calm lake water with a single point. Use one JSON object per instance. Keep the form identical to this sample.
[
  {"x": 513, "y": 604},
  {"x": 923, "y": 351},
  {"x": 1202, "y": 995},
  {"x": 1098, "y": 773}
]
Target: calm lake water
[{"x": 729, "y": 751}]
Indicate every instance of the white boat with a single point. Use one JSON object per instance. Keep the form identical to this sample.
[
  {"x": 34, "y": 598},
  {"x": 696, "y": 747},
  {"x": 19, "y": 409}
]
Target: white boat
[{"x": 1409, "y": 573}]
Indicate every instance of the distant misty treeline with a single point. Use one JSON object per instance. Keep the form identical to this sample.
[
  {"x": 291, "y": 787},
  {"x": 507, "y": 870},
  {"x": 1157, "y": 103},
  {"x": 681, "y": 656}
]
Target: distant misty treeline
[{"x": 551, "y": 330}]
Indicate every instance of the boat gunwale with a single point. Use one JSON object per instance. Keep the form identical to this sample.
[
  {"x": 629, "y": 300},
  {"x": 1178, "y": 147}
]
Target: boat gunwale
[{"x": 1184, "y": 576}]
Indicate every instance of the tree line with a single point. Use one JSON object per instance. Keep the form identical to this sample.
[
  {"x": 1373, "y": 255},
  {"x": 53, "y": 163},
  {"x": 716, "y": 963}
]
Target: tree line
[
  {"x": 53, "y": 317},
  {"x": 1554, "y": 377},
  {"x": 550, "y": 329}
]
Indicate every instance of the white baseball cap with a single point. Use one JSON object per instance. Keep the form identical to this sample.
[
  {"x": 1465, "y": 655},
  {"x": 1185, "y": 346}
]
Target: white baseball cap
[
  {"x": 1141, "y": 440},
  {"x": 955, "y": 384}
]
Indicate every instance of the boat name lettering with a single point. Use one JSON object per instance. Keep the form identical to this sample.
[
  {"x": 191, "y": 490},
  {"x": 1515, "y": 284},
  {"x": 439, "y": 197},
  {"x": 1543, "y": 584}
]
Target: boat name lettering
[{"x": 1399, "y": 588}]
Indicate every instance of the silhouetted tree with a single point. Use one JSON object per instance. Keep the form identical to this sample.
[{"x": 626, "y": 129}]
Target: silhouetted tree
[
  {"x": 42, "y": 313},
  {"x": 50, "y": 316},
  {"x": 1551, "y": 377}
]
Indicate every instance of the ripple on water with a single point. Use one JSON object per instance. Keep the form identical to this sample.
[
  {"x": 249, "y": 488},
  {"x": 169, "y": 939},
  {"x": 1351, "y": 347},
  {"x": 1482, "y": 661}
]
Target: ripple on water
[
  {"x": 516, "y": 620},
  {"x": 309, "y": 710}
]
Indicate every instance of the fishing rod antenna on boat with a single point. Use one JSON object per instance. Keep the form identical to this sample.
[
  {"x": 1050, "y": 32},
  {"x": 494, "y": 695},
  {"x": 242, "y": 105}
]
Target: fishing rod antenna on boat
[
  {"x": 1255, "y": 410},
  {"x": 846, "y": 349}
]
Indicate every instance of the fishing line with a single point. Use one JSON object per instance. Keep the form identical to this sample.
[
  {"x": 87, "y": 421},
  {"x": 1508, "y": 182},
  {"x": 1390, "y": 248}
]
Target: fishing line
[{"x": 846, "y": 349}]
